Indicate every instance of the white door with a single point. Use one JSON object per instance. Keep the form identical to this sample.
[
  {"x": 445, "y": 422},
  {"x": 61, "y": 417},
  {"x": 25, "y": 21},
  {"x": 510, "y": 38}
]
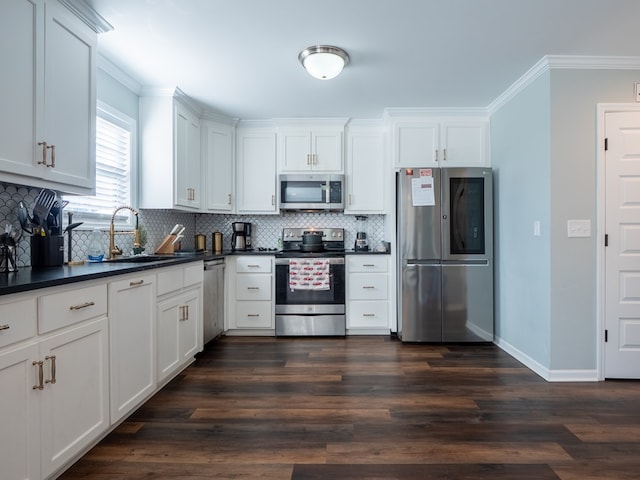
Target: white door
[{"x": 622, "y": 255}]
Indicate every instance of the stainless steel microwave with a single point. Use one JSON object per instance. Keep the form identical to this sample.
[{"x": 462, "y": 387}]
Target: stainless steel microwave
[{"x": 309, "y": 192}]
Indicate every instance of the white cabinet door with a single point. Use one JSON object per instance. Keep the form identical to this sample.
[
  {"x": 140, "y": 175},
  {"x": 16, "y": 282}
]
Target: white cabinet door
[
  {"x": 304, "y": 150},
  {"x": 75, "y": 398},
  {"x": 168, "y": 343},
  {"x": 48, "y": 95},
  {"x": 465, "y": 143},
  {"x": 415, "y": 143},
  {"x": 366, "y": 173},
  {"x": 256, "y": 171},
  {"x": 180, "y": 331},
  {"x": 69, "y": 98},
  {"x": 170, "y": 163},
  {"x": 20, "y": 413},
  {"x": 326, "y": 151},
  {"x": 22, "y": 54},
  {"x": 295, "y": 151},
  {"x": 218, "y": 166},
  {"x": 190, "y": 326},
  {"x": 132, "y": 307},
  {"x": 187, "y": 158}
]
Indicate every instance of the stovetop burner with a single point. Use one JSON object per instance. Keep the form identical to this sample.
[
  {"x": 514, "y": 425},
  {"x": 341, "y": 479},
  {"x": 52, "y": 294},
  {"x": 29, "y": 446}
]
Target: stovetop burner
[{"x": 292, "y": 242}]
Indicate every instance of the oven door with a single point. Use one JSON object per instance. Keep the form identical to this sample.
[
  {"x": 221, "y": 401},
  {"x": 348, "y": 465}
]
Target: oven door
[{"x": 310, "y": 302}]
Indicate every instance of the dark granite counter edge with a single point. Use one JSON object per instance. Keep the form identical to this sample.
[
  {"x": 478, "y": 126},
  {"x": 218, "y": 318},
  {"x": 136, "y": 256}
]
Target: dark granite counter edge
[{"x": 28, "y": 279}]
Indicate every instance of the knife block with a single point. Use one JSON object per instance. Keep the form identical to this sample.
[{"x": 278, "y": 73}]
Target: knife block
[
  {"x": 47, "y": 251},
  {"x": 167, "y": 246}
]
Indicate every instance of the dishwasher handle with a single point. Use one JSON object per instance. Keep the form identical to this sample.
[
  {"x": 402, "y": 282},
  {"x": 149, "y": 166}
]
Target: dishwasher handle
[{"x": 210, "y": 265}]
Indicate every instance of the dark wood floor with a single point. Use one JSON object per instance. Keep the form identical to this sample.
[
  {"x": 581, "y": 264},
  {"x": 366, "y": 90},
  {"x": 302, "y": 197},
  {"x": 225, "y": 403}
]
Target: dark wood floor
[{"x": 371, "y": 408}]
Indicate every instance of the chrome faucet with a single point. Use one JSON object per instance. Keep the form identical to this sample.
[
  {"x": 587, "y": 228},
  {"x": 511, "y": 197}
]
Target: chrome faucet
[{"x": 114, "y": 250}]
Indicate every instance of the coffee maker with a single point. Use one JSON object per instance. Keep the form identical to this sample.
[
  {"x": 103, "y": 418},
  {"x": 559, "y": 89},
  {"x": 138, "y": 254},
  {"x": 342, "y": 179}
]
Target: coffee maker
[{"x": 241, "y": 236}]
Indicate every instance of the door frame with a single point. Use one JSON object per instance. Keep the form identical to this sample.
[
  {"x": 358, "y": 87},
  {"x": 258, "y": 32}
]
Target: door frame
[{"x": 601, "y": 203}]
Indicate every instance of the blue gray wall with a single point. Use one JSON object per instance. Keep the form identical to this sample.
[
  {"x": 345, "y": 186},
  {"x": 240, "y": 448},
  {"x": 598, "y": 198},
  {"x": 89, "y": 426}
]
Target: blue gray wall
[
  {"x": 520, "y": 151},
  {"x": 544, "y": 150}
]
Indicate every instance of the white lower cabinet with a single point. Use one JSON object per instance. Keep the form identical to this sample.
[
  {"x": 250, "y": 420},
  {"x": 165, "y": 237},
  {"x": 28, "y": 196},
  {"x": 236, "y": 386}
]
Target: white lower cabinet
[
  {"x": 367, "y": 294},
  {"x": 132, "y": 312},
  {"x": 54, "y": 387},
  {"x": 251, "y": 290},
  {"x": 77, "y": 359},
  {"x": 20, "y": 412},
  {"x": 75, "y": 400},
  {"x": 179, "y": 318}
]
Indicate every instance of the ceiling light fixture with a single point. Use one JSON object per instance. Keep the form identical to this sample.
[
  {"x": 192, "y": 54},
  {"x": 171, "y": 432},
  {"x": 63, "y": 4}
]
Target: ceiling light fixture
[{"x": 323, "y": 61}]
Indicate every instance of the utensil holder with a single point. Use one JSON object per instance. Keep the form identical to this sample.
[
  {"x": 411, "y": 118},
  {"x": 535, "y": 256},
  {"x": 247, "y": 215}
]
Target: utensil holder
[
  {"x": 47, "y": 251},
  {"x": 8, "y": 259}
]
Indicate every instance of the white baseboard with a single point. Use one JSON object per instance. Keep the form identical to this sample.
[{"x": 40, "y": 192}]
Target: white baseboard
[{"x": 576, "y": 375}]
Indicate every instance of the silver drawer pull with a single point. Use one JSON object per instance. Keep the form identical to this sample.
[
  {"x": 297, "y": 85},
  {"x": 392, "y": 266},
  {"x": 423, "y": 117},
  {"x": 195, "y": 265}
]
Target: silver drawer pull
[
  {"x": 253, "y": 265},
  {"x": 5, "y": 327},
  {"x": 368, "y": 287},
  {"x": 82, "y": 305},
  {"x": 368, "y": 314},
  {"x": 368, "y": 265},
  {"x": 40, "y": 385},
  {"x": 53, "y": 368},
  {"x": 136, "y": 284},
  {"x": 253, "y": 315},
  {"x": 253, "y": 288}
]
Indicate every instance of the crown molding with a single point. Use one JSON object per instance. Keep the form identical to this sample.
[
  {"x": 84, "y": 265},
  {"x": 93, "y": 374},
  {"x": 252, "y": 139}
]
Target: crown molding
[
  {"x": 88, "y": 15},
  {"x": 118, "y": 74},
  {"x": 550, "y": 62},
  {"x": 391, "y": 112}
]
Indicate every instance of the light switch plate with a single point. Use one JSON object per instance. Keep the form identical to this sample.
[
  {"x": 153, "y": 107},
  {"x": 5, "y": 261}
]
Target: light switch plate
[{"x": 578, "y": 228}]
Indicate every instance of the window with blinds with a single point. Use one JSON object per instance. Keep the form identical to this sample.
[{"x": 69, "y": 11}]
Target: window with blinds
[{"x": 115, "y": 138}]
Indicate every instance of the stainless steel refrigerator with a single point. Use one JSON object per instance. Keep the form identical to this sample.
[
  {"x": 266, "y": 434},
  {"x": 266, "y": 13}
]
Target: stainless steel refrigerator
[{"x": 445, "y": 254}]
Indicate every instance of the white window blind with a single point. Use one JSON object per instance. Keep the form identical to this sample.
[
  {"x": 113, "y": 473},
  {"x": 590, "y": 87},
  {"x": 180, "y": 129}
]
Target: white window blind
[{"x": 114, "y": 173}]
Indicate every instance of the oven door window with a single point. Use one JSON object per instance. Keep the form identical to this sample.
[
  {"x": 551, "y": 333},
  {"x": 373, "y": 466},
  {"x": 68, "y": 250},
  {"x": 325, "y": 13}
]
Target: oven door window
[{"x": 333, "y": 296}]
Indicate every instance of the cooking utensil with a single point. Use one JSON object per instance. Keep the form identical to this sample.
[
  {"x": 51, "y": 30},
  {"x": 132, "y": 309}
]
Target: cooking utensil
[
  {"x": 23, "y": 218},
  {"x": 44, "y": 201},
  {"x": 68, "y": 228}
]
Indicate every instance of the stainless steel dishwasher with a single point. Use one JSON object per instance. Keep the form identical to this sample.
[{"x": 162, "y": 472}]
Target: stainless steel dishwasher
[{"x": 213, "y": 299}]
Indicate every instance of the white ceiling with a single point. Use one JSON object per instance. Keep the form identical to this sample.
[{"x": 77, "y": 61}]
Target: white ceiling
[{"x": 239, "y": 57}]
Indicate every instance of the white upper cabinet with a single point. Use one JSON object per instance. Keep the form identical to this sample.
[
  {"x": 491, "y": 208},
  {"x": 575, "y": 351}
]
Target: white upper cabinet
[
  {"x": 366, "y": 186},
  {"x": 465, "y": 143},
  {"x": 48, "y": 96},
  {"x": 218, "y": 165},
  {"x": 415, "y": 143},
  {"x": 256, "y": 173},
  {"x": 170, "y": 153},
  {"x": 311, "y": 145},
  {"x": 439, "y": 141}
]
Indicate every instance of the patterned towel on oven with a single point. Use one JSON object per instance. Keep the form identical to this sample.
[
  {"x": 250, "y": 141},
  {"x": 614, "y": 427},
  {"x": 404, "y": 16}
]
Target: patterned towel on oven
[{"x": 309, "y": 274}]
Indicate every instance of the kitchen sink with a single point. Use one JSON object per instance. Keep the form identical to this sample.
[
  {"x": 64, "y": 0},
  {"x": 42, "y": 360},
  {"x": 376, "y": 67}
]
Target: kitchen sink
[{"x": 139, "y": 258}]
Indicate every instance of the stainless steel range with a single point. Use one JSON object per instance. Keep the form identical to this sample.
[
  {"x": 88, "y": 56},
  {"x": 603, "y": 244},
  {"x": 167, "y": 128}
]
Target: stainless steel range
[{"x": 310, "y": 283}]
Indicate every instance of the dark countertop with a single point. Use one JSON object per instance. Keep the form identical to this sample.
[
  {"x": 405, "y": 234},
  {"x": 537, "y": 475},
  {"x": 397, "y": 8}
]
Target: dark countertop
[{"x": 27, "y": 278}]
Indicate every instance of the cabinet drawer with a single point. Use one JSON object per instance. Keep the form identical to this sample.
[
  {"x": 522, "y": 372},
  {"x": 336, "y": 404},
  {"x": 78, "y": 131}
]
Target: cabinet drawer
[
  {"x": 368, "y": 287},
  {"x": 368, "y": 314},
  {"x": 367, "y": 264},
  {"x": 72, "y": 306},
  {"x": 254, "y": 315},
  {"x": 253, "y": 264},
  {"x": 193, "y": 274},
  {"x": 169, "y": 280},
  {"x": 18, "y": 321},
  {"x": 253, "y": 287}
]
